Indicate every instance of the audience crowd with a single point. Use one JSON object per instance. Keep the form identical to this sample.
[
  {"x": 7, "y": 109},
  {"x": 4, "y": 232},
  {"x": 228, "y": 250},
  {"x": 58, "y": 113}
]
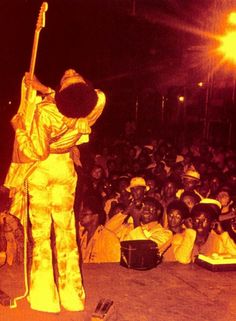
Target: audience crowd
[{"x": 181, "y": 197}]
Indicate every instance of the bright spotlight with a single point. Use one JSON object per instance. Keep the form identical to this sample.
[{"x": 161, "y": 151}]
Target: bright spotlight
[
  {"x": 181, "y": 99},
  {"x": 228, "y": 46},
  {"x": 232, "y": 18}
]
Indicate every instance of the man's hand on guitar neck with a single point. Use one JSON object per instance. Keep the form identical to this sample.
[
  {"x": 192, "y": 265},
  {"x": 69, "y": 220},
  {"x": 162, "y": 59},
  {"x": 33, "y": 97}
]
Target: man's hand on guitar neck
[{"x": 36, "y": 84}]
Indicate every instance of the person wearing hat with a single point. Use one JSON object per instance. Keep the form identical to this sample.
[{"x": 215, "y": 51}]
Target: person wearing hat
[
  {"x": 122, "y": 223},
  {"x": 205, "y": 233},
  {"x": 137, "y": 189},
  {"x": 190, "y": 181},
  {"x": 43, "y": 169}
]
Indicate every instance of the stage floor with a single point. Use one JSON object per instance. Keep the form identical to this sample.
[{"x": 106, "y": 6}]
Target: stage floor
[{"x": 170, "y": 292}]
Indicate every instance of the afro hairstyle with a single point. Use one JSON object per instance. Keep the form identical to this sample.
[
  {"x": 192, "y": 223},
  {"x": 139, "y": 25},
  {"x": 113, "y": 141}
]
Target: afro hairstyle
[
  {"x": 207, "y": 209},
  {"x": 94, "y": 203},
  {"x": 76, "y": 100},
  {"x": 178, "y": 205}
]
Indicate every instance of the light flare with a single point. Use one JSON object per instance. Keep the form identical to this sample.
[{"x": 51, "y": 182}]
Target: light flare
[
  {"x": 228, "y": 46},
  {"x": 204, "y": 57},
  {"x": 232, "y": 18}
]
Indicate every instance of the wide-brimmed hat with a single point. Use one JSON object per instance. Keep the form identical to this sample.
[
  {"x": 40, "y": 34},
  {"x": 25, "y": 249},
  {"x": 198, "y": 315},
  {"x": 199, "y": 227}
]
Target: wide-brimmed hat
[
  {"x": 137, "y": 182},
  {"x": 213, "y": 203},
  {"x": 192, "y": 174},
  {"x": 210, "y": 201}
]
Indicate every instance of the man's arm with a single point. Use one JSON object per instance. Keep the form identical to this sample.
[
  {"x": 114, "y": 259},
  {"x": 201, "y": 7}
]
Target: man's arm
[
  {"x": 162, "y": 237},
  {"x": 228, "y": 243},
  {"x": 183, "y": 246},
  {"x": 98, "y": 109}
]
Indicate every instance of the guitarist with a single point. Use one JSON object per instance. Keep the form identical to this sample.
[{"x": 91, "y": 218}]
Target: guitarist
[{"x": 43, "y": 170}]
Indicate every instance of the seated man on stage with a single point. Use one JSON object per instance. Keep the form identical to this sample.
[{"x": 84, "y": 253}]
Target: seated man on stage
[
  {"x": 98, "y": 244},
  {"x": 147, "y": 224}
]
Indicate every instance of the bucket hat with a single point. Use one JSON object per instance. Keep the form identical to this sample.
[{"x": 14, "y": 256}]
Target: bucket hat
[{"x": 137, "y": 182}]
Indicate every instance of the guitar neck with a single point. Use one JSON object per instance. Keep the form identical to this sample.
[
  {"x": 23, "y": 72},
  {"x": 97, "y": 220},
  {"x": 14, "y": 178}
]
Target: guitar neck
[{"x": 33, "y": 61}]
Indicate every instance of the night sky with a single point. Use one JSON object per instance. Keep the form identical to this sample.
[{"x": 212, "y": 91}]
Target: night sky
[
  {"x": 101, "y": 38},
  {"x": 115, "y": 43}
]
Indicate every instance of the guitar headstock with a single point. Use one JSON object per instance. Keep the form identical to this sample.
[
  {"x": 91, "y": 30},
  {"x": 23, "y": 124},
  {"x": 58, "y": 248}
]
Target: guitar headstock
[{"x": 41, "y": 17}]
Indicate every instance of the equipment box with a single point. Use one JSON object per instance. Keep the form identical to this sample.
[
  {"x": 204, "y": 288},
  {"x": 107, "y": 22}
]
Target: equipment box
[{"x": 217, "y": 262}]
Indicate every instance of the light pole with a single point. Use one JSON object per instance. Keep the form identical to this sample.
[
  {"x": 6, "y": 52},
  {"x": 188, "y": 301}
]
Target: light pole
[{"x": 207, "y": 103}]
